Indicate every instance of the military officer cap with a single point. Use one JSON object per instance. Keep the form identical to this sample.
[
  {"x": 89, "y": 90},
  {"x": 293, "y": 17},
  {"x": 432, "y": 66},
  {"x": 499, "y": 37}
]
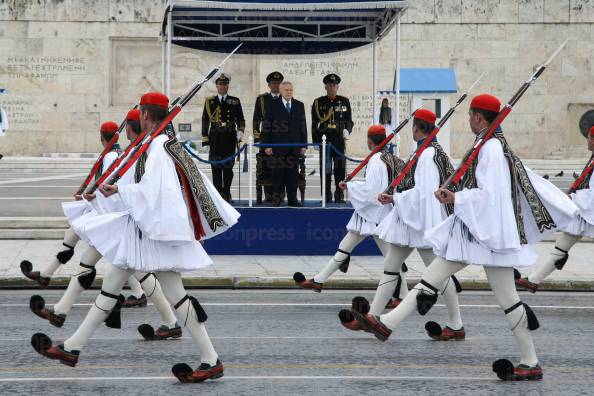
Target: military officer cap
[
  {"x": 223, "y": 78},
  {"x": 275, "y": 76},
  {"x": 332, "y": 79}
]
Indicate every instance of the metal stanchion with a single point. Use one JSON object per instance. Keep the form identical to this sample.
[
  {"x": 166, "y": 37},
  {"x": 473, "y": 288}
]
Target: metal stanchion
[
  {"x": 250, "y": 152},
  {"x": 323, "y": 154}
]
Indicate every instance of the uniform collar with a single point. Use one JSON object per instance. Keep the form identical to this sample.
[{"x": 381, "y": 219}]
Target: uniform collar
[
  {"x": 422, "y": 140},
  {"x": 222, "y": 98}
]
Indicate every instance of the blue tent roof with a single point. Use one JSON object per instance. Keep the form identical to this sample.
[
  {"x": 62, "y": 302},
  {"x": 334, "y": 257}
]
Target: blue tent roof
[
  {"x": 272, "y": 27},
  {"x": 427, "y": 80}
]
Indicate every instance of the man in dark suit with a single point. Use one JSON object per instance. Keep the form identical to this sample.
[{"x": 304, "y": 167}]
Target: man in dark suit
[{"x": 285, "y": 123}]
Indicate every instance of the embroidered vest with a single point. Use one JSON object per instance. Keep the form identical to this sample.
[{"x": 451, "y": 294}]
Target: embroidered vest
[
  {"x": 115, "y": 148},
  {"x": 444, "y": 168},
  {"x": 520, "y": 184},
  {"x": 586, "y": 182}
]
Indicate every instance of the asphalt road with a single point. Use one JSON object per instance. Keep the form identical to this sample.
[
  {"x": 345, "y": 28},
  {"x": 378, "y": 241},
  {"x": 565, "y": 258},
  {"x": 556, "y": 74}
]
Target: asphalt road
[{"x": 291, "y": 343}]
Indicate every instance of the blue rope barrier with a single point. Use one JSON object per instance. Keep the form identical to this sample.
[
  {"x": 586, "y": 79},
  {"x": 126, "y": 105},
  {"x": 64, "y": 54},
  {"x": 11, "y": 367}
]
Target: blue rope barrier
[
  {"x": 328, "y": 161},
  {"x": 286, "y": 144},
  {"x": 343, "y": 155},
  {"x": 191, "y": 151}
]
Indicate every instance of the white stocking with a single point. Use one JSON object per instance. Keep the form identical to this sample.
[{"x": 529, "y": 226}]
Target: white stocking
[
  {"x": 501, "y": 280},
  {"x": 393, "y": 260},
  {"x": 174, "y": 290},
  {"x": 113, "y": 282},
  {"x": 135, "y": 287},
  {"x": 70, "y": 239},
  {"x": 154, "y": 293},
  {"x": 436, "y": 274},
  {"x": 348, "y": 243},
  {"x": 547, "y": 266},
  {"x": 449, "y": 293},
  {"x": 381, "y": 245},
  {"x": 90, "y": 257}
]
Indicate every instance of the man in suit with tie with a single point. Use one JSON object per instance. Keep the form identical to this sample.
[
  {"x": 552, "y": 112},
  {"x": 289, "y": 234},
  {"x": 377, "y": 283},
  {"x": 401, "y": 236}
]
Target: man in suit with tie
[{"x": 285, "y": 124}]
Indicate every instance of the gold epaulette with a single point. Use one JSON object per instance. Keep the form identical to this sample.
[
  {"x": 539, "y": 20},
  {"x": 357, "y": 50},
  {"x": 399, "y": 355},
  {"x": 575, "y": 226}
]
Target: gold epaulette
[
  {"x": 325, "y": 117},
  {"x": 217, "y": 113},
  {"x": 262, "y": 107}
]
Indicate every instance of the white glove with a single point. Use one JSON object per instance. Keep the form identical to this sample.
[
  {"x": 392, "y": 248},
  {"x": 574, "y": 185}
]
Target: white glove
[
  {"x": 206, "y": 149},
  {"x": 345, "y": 134},
  {"x": 239, "y": 136}
]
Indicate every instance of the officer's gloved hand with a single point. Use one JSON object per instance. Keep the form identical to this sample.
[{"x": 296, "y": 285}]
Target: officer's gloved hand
[
  {"x": 239, "y": 136},
  {"x": 345, "y": 134},
  {"x": 205, "y": 148}
]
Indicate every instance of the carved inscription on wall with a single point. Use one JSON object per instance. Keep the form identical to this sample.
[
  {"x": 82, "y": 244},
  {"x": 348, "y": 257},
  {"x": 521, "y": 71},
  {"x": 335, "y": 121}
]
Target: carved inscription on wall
[
  {"x": 43, "y": 68},
  {"x": 20, "y": 112}
]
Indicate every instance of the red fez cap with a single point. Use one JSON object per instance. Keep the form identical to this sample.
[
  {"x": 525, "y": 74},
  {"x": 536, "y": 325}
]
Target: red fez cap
[
  {"x": 376, "y": 130},
  {"x": 486, "y": 102},
  {"x": 154, "y": 98},
  {"x": 109, "y": 127},
  {"x": 425, "y": 115},
  {"x": 133, "y": 115},
  {"x": 592, "y": 130}
]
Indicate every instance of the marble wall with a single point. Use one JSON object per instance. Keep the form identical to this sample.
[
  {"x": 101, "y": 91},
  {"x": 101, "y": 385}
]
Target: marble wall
[{"x": 71, "y": 64}]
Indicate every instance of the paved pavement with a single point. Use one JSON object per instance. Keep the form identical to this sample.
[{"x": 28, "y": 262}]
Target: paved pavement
[
  {"x": 31, "y": 190},
  {"x": 291, "y": 343},
  {"x": 277, "y": 271}
]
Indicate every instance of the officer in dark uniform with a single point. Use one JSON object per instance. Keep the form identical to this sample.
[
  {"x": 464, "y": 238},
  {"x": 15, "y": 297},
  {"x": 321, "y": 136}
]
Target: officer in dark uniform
[
  {"x": 222, "y": 130},
  {"x": 263, "y": 101},
  {"x": 331, "y": 116}
]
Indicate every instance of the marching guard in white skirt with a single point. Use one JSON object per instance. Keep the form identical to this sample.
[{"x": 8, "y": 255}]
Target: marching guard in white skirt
[
  {"x": 169, "y": 209},
  {"x": 85, "y": 274},
  {"x": 80, "y": 211},
  {"x": 380, "y": 171},
  {"x": 501, "y": 211},
  {"x": 582, "y": 225},
  {"x": 74, "y": 210},
  {"x": 415, "y": 210}
]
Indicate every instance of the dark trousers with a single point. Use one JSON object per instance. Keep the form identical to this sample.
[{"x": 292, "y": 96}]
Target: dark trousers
[
  {"x": 285, "y": 172},
  {"x": 222, "y": 177},
  {"x": 338, "y": 167},
  {"x": 263, "y": 177}
]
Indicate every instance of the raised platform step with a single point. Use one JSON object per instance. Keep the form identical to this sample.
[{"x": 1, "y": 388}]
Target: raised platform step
[
  {"x": 52, "y": 228},
  {"x": 33, "y": 222},
  {"x": 32, "y": 233},
  {"x": 69, "y": 155}
]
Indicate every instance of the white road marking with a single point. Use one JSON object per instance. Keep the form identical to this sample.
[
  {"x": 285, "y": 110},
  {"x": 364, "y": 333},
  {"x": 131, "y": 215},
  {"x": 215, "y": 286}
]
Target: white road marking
[
  {"x": 260, "y": 377},
  {"x": 324, "y": 305},
  {"x": 138, "y": 338},
  {"x": 48, "y": 186},
  {"x": 36, "y": 198},
  {"x": 44, "y": 178}
]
